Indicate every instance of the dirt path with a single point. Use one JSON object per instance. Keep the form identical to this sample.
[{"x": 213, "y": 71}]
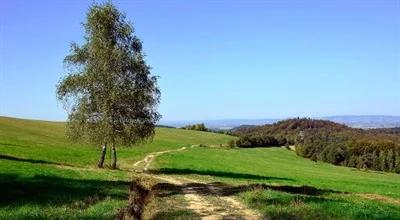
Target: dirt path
[
  {"x": 208, "y": 206},
  {"x": 380, "y": 198},
  {"x": 149, "y": 158}
]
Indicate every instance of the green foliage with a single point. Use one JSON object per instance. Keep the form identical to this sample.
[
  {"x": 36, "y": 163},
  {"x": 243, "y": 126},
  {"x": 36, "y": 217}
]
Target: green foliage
[
  {"x": 375, "y": 161},
  {"x": 329, "y": 142},
  {"x": 257, "y": 141},
  {"x": 196, "y": 127},
  {"x": 109, "y": 90},
  {"x": 231, "y": 144},
  {"x": 397, "y": 163},
  {"x": 382, "y": 160},
  {"x": 390, "y": 160},
  {"x": 288, "y": 131}
]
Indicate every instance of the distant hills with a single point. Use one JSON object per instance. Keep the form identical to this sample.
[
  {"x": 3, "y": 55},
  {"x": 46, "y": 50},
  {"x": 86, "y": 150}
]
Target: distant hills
[
  {"x": 220, "y": 124},
  {"x": 355, "y": 121},
  {"x": 367, "y": 121}
]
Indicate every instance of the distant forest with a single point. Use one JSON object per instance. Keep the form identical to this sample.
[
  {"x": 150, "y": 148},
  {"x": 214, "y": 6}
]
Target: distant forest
[
  {"x": 196, "y": 127},
  {"x": 377, "y": 149}
]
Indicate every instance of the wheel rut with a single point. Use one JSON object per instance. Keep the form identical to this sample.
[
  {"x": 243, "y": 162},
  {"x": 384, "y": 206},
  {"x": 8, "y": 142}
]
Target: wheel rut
[{"x": 207, "y": 206}]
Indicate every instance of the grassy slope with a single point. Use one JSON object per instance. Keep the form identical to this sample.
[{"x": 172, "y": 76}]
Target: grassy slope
[
  {"x": 280, "y": 166},
  {"x": 44, "y": 175}
]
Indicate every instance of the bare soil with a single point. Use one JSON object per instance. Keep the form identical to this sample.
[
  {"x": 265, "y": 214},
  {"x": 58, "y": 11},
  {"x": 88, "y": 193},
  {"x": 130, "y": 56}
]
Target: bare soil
[{"x": 204, "y": 199}]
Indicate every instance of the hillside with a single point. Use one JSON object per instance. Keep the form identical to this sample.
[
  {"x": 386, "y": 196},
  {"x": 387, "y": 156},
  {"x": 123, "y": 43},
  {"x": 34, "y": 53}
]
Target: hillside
[
  {"x": 44, "y": 175},
  {"x": 366, "y": 121},
  {"x": 281, "y": 185},
  {"x": 355, "y": 121},
  {"x": 290, "y": 128},
  {"x": 377, "y": 149}
]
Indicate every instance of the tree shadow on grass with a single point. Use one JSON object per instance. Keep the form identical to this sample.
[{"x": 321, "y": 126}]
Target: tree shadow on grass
[
  {"x": 11, "y": 145},
  {"x": 217, "y": 174},
  {"x": 299, "y": 199},
  {"x": 58, "y": 191},
  {"x": 296, "y": 202},
  {"x": 226, "y": 190},
  {"x": 223, "y": 189},
  {"x": 7, "y": 157},
  {"x": 304, "y": 189}
]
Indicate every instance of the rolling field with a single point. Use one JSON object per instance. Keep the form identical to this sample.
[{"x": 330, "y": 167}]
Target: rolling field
[
  {"x": 44, "y": 175},
  {"x": 277, "y": 177}
]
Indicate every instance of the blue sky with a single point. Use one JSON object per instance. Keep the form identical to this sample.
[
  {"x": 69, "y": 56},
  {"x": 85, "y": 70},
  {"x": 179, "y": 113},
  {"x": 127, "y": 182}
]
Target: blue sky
[{"x": 220, "y": 59}]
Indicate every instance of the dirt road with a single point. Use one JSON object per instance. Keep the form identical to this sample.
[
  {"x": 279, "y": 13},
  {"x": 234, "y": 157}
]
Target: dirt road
[{"x": 210, "y": 205}]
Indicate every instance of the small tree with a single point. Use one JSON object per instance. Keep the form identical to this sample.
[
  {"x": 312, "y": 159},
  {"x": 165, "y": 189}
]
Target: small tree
[
  {"x": 397, "y": 163},
  {"x": 390, "y": 160},
  {"x": 375, "y": 161},
  {"x": 231, "y": 144},
  {"x": 196, "y": 127},
  {"x": 109, "y": 92},
  {"x": 383, "y": 161}
]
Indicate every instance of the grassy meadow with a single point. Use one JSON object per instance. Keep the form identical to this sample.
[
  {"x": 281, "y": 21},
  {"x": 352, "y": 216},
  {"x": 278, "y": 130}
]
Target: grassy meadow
[
  {"x": 278, "y": 176},
  {"x": 44, "y": 175}
]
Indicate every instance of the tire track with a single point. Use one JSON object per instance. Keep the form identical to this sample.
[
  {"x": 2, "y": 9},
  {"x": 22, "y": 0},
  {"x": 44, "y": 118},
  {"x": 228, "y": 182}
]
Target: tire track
[{"x": 200, "y": 204}]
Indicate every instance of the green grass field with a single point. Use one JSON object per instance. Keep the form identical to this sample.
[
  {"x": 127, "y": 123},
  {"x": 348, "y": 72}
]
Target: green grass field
[
  {"x": 44, "y": 175},
  {"x": 333, "y": 192}
]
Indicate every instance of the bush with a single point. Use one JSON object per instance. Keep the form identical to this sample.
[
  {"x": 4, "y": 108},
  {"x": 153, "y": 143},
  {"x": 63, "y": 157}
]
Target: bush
[
  {"x": 196, "y": 127},
  {"x": 256, "y": 141},
  {"x": 231, "y": 144}
]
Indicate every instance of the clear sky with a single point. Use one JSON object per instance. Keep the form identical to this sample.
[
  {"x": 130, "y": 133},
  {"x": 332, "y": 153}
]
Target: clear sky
[{"x": 220, "y": 59}]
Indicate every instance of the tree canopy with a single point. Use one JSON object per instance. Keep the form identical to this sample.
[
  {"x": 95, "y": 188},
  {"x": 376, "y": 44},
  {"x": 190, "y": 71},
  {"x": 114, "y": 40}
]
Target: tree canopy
[
  {"x": 377, "y": 149},
  {"x": 109, "y": 91}
]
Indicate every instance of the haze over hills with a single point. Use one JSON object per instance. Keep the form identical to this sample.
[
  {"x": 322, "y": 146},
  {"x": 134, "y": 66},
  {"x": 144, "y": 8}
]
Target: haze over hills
[
  {"x": 355, "y": 121},
  {"x": 367, "y": 121}
]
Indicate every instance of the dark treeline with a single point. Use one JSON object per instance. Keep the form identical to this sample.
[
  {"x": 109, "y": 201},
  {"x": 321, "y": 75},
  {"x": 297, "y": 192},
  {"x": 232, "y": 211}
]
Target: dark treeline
[
  {"x": 259, "y": 141},
  {"x": 377, "y": 149},
  {"x": 385, "y": 131},
  {"x": 202, "y": 127},
  {"x": 196, "y": 127}
]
